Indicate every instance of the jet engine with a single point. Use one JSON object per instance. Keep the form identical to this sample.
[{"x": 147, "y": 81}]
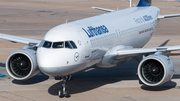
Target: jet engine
[
  {"x": 155, "y": 70},
  {"x": 22, "y": 64}
]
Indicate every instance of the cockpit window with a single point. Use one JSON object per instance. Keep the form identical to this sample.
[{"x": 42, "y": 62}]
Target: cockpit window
[
  {"x": 42, "y": 43},
  {"x": 73, "y": 44},
  {"x": 62, "y": 44},
  {"x": 58, "y": 45},
  {"x": 67, "y": 45},
  {"x": 47, "y": 44}
]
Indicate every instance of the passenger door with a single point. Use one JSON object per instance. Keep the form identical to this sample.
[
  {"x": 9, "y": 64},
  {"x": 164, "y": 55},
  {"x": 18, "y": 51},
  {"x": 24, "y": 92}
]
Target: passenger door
[{"x": 86, "y": 44}]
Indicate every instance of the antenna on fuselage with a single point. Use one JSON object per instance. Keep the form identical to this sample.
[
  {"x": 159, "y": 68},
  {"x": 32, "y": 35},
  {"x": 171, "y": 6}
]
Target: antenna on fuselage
[
  {"x": 66, "y": 21},
  {"x": 130, "y": 1}
]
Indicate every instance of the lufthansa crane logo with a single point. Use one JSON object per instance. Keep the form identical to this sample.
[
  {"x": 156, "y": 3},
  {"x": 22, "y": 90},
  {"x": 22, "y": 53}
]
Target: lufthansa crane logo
[{"x": 76, "y": 56}]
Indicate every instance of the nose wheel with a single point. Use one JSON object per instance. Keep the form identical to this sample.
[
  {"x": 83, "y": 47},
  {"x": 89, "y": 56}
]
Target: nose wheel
[{"x": 63, "y": 90}]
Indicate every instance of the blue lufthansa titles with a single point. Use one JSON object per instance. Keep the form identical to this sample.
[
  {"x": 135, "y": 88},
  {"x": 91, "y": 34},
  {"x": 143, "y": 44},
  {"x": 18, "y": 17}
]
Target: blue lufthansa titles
[
  {"x": 95, "y": 31},
  {"x": 143, "y": 19},
  {"x": 147, "y": 18}
]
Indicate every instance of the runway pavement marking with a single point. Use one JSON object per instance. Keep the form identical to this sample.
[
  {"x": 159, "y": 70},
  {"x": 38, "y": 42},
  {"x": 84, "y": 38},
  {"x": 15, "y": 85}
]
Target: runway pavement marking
[
  {"x": 2, "y": 75},
  {"x": 174, "y": 21},
  {"x": 48, "y": 10},
  {"x": 11, "y": 96},
  {"x": 24, "y": 29}
]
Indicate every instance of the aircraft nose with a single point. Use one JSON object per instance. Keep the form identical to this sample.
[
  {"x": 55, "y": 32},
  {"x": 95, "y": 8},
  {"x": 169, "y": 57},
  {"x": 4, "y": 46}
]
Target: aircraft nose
[
  {"x": 51, "y": 62},
  {"x": 57, "y": 62}
]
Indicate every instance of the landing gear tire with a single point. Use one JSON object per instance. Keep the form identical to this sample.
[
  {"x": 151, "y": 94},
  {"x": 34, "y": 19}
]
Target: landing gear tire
[
  {"x": 67, "y": 95},
  {"x": 63, "y": 90},
  {"x": 140, "y": 82},
  {"x": 60, "y": 93}
]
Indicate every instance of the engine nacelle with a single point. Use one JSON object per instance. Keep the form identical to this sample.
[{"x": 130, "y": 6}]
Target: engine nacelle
[
  {"x": 155, "y": 70},
  {"x": 22, "y": 64}
]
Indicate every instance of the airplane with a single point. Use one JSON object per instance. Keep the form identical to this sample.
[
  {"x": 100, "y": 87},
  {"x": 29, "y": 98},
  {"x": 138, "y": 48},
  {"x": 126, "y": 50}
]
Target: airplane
[{"x": 104, "y": 40}]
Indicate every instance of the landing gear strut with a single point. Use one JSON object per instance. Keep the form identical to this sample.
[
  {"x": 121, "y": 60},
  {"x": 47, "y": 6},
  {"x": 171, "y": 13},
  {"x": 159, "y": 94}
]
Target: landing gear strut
[{"x": 63, "y": 90}]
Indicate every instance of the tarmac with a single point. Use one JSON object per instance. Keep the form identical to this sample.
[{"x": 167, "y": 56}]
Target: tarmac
[{"x": 32, "y": 19}]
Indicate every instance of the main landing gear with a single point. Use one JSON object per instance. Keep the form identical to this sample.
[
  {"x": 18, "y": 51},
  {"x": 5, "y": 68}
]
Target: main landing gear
[{"x": 63, "y": 90}]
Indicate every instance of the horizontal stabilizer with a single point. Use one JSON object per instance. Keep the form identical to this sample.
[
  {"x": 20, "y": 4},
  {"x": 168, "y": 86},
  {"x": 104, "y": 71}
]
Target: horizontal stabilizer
[
  {"x": 168, "y": 16},
  {"x": 17, "y": 39},
  {"x": 103, "y": 9}
]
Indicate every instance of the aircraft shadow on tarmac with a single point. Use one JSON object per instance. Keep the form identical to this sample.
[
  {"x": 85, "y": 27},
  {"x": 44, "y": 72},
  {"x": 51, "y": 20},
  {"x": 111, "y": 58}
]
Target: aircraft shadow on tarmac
[
  {"x": 82, "y": 82},
  {"x": 2, "y": 64},
  {"x": 86, "y": 81},
  {"x": 36, "y": 79},
  {"x": 174, "y": 54},
  {"x": 168, "y": 85},
  {"x": 164, "y": 44}
]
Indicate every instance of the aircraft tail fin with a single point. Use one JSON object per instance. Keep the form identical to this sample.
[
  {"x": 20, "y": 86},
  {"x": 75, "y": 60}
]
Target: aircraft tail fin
[{"x": 144, "y": 3}]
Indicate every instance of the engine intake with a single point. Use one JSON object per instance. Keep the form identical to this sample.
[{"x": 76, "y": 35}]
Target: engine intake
[
  {"x": 152, "y": 71},
  {"x": 19, "y": 65},
  {"x": 22, "y": 64},
  {"x": 155, "y": 70}
]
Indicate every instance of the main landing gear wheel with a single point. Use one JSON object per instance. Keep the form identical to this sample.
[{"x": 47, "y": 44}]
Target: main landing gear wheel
[
  {"x": 60, "y": 93},
  {"x": 63, "y": 90}
]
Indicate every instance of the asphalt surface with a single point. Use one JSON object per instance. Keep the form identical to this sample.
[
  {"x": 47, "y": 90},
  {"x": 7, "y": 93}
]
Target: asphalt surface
[{"x": 119, "y": 83}]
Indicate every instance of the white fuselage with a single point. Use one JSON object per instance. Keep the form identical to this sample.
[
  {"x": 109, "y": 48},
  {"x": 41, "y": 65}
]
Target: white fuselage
[{"x": 93, "y": 37}]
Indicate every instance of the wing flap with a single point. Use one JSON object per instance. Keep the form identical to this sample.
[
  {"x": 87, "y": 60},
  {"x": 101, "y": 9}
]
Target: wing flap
[{"x": 17, "y": 39}]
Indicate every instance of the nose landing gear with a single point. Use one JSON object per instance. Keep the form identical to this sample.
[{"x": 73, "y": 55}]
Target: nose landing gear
[{"x": 63, "y": 90}]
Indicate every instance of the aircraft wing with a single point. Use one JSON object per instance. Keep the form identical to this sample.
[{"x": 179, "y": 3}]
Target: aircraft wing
[
  {"x": 123, "y": 53},
  {"x": 168, "y": 16},
  {"x": 103, "y": 9},
  {"x": 145, "y": 51},
  {"x": 17, "y": 39}
]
